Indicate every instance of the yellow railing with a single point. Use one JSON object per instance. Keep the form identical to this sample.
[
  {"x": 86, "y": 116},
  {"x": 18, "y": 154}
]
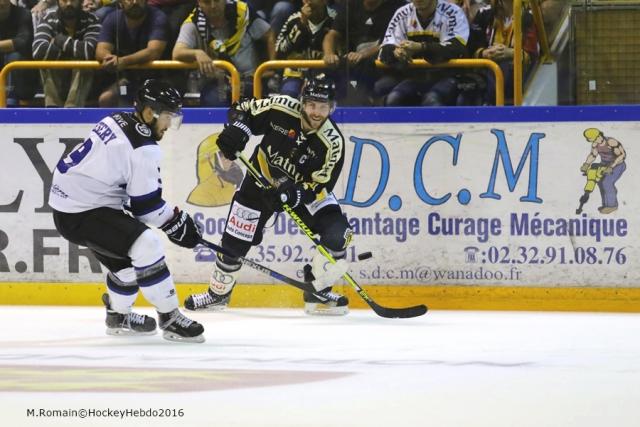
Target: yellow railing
[
  {"x": 88, "y": 65},
  {"x": 420, "y": 63},
  {"x": 543, "y": 39},
  {"x": 517, "y": 52}
]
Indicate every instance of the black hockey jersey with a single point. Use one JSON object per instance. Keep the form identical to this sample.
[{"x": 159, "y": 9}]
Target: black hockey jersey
[{"x": 286, "y": 152}]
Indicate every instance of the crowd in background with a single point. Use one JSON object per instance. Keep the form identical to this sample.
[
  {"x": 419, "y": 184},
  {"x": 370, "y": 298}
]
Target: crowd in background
[{"x": 348, "y": 35}]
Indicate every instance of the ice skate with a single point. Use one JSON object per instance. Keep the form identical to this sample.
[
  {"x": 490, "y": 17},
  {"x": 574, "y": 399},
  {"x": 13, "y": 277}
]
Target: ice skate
[
  {"x": 207, "y": 301},
  {"x": 325, "y": 302},
  {"x": 217, "y": 296},
  {"x": 179, "y": 328},
  {"x": 127, "y": 324}
]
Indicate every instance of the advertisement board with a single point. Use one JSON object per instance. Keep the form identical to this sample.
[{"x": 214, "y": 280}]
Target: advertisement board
[{"x": 519, "y": 197}]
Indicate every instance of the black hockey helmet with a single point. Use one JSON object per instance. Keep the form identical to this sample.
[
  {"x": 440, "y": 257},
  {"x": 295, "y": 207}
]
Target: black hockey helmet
[
  {"x": 159, "y": 95},
  {"x": 318, "y": 87}
]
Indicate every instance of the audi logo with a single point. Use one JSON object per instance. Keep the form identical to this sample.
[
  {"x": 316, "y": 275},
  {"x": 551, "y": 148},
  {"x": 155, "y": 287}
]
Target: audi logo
[{"x": 246, "y": 213}]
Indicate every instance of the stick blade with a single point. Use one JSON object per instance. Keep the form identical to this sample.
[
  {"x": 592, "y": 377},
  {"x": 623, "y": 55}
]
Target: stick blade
[{"x": 399, "y": 313}]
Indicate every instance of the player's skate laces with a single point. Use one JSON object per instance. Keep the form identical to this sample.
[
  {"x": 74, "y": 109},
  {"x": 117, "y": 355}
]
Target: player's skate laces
[
  {"x": 178, "y": 327},
  {"x": 127, "y": 324},
  {"x": 326, "y": 302},
  {"x": 207, "y": 301}
]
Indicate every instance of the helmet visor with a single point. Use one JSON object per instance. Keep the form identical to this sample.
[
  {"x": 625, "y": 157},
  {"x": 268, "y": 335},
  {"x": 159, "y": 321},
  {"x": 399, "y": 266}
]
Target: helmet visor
[{"x": 174, "y": 120}]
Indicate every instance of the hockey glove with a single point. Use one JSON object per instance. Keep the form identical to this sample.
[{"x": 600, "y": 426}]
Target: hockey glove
[
  {"x": 233, "y": 138},
  {"x": 181, "y": 229},
  {"x": 292, "y": 194}
]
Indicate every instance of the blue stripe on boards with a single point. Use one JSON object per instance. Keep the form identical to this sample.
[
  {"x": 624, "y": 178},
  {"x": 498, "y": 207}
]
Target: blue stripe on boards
[{"x": 359, "y": 115}]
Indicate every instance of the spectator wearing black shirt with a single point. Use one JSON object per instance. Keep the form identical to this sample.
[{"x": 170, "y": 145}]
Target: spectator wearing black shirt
[
  {"x": 133, "y": 35},
  {"x": 301, "y": 37},
  {"x": 355, "y": 38},
  {"x": 16, "y": 36}
]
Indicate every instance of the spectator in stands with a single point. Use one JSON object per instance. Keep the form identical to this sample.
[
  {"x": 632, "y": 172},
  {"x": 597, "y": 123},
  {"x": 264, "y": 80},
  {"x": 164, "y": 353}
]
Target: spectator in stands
[
  {"x": 133, "y": 35},
  {"x": 301, "y": 38},
  {"x": 176, "y": 11},
  {"x": 67, "y": 33},
  {"x": 41, "y": 8},
  {"x": 91, "y": 5},
  {"x": 103, "y": 8},
  {"x": 16, "y": 36},
  {"x": 355, "y": 39},
  {"x": 219, "y": 30},
  {"x": 435, "y": 30},
  {"x": 492, "y": 38},
  {"x": 275, "y": 12}
]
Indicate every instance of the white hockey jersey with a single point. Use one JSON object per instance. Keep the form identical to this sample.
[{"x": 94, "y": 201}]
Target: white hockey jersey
[
  {"x": 449, "y": 22},
  {"x": 119, "y": 163}
]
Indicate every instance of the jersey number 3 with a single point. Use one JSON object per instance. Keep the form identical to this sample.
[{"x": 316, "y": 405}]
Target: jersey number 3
[{"x": 74, "y": 157}]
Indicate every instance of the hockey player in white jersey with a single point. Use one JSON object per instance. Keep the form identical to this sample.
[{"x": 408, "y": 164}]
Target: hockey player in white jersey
[{"x": 119, "y": 165}]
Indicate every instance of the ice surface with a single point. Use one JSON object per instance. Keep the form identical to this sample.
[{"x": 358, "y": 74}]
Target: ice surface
[{"x": 266, "y": 367}]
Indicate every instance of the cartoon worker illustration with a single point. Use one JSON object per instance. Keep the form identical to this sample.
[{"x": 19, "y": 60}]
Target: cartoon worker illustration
[
  {"x": 217, "y": 176},
  {"x": 606, "y": 173}
]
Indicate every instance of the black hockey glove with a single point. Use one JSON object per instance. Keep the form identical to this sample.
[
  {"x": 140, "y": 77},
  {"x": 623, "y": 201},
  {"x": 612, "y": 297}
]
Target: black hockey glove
[
  {"x": 233, "y": 138},
  {"x": 292, "y": 194},
  {"x": 181, "y": 229}
]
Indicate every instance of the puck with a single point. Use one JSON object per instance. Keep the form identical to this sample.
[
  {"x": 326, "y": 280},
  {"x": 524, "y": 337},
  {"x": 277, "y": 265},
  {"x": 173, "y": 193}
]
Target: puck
[{"x": 364, "y": 255}]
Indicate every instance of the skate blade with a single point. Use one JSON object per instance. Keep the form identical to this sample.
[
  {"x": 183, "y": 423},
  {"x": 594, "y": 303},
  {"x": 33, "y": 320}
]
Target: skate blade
[
  {"x": 172, "y": 336},
  {"x": 120, "y": 332},
  {"x": 314, "y": 309},
  {"x": 210, "y": 309}
]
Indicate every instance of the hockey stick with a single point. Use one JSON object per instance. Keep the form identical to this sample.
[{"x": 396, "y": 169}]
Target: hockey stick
[
  {"x": 387, "y": 312},
  {"x": 304, "y": 286}
]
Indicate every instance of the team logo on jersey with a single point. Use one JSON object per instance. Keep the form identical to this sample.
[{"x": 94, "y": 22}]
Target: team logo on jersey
[
  {"x": 143, "y": 130},
  {"x": 291, "y": 134}
]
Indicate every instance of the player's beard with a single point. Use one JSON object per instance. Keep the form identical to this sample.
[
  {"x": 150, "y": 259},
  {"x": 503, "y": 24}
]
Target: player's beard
[
  {"x": 154, "y": 130},
  {"x": 306, "y": 120}
]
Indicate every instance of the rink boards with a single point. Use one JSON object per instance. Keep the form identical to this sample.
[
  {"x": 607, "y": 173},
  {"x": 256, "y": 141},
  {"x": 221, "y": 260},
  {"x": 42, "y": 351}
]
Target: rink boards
[{"x": 461, "y": 207}]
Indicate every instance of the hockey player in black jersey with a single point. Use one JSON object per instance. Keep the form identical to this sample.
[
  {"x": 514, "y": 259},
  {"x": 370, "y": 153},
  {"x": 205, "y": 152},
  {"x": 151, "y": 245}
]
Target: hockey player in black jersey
[
  {"x": 301, "y": 153},
  {"x": 119, "y": 165}
]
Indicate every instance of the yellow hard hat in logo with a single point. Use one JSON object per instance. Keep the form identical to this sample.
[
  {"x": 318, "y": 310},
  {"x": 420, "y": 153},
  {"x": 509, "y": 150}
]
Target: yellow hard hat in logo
[
  {"x": 592, "y": 134},
  {"x": 218, "y": 177}
]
